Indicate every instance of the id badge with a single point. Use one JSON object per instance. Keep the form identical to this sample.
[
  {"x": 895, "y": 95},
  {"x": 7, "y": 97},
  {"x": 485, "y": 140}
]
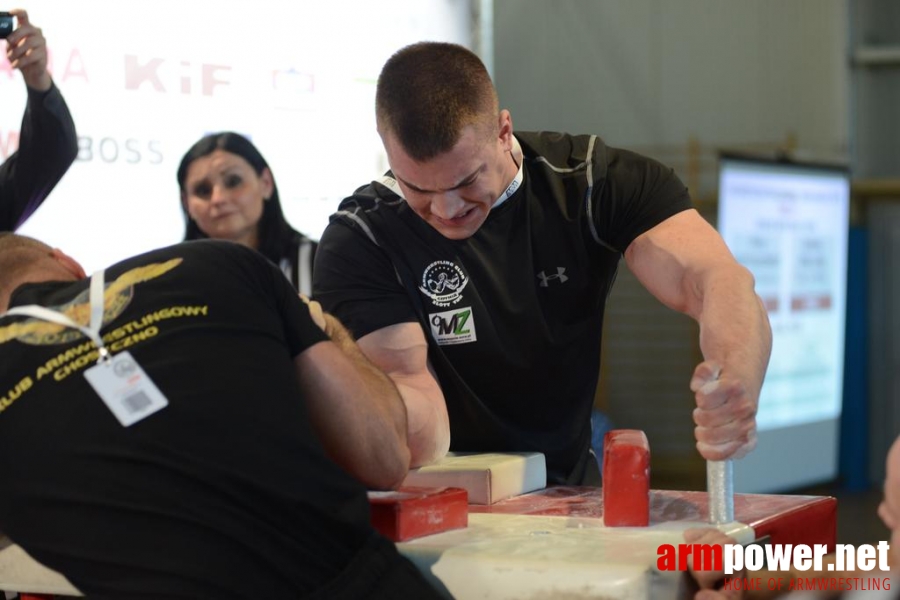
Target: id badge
[{"x": 126, "y": 389}]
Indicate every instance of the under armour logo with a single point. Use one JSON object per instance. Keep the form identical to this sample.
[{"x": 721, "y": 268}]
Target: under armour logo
[{"x": 560, "y": 275}]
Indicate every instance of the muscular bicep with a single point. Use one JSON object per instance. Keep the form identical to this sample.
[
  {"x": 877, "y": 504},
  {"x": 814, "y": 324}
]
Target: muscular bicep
[
  {"x": 672, "y": 258},
  {"x": 401, "y": 351}
]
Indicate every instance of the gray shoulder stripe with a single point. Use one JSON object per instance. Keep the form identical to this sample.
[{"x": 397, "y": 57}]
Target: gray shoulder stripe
[
  {"x": 588, "y": 166},
  {"x": 304, "y": 268},
  {"x": 543, "y": 159},
  {"x": 353, "y": 217},
  {"x": 589, "y": 192}
]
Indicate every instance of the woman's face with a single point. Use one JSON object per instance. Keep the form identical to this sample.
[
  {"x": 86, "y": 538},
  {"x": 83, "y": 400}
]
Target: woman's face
[{"x": 224, "y": 196}]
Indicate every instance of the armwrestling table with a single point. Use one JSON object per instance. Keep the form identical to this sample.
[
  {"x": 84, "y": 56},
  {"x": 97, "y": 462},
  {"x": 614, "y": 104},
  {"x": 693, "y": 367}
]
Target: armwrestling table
[{"x": 551, "y": 544}]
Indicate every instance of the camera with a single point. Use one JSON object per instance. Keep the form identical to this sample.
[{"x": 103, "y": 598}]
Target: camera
[{"x": 6, "y": 24}]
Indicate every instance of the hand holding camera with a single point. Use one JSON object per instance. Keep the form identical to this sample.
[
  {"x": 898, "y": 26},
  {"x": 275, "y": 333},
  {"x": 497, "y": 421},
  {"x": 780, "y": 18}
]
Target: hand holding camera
[
  {"x": 6, "y": 25},
  {"x": 26, "y": 49}
]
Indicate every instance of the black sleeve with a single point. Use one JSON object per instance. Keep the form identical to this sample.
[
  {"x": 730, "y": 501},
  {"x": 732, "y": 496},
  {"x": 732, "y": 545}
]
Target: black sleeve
[
  {"x": 267, "y": 287},
  {"x": 636, "y": 194},
  {"x": 300, "y": 331},
  {"x": 356, "y": 282},
  {"x": 47, "y": 147}
]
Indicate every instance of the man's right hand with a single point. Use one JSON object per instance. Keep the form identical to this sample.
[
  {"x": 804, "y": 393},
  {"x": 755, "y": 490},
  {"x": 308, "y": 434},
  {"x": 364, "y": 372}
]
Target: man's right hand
[{"x": 26, "y": 50}]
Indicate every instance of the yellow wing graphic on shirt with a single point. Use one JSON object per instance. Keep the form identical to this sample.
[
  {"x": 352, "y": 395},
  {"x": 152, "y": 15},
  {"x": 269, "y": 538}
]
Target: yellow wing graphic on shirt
[{"x": 116, "y": 297}]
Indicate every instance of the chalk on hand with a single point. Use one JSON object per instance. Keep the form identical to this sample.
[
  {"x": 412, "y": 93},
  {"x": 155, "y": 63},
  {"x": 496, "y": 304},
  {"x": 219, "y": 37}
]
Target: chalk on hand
[{"x": 626, "y": 478}]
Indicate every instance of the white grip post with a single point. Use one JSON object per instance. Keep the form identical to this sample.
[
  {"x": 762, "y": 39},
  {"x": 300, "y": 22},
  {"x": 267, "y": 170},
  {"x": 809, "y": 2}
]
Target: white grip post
[{"x": 720, "y": 491}]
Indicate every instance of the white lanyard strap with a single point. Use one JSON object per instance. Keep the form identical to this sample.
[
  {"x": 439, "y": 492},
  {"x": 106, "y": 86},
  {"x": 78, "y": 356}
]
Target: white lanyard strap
[{"x": 92, "y": 330}]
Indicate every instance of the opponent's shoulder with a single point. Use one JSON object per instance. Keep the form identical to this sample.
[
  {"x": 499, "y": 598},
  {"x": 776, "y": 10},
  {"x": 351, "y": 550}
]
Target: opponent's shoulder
[{"x": 195, "y": 255}]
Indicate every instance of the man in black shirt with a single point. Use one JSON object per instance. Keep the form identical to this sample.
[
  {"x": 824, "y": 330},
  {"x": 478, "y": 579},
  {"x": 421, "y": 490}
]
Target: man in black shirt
[
  {"x": 47, "y": 141},
  {"x": 475, "y": 273},
  {"x": 227, "y": 477}
]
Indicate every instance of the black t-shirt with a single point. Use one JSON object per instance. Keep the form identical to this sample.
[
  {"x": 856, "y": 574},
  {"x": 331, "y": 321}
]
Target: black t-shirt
[
  {"x": 513, "y": 315},
  {"x": 224, "y": 493}
]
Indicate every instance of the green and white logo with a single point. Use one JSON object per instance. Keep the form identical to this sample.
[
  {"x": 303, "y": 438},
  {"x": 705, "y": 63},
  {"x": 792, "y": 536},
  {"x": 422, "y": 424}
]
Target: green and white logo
[{"x": 453, "y": 326}]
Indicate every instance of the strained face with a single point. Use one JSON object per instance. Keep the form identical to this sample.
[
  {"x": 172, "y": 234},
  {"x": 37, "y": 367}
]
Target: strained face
[{"x": 454, "y": 192}]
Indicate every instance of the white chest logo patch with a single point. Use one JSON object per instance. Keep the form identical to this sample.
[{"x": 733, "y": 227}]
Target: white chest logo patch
[
  {"x": 443, "y": 282},
  {"x": 453, "y": 326}
]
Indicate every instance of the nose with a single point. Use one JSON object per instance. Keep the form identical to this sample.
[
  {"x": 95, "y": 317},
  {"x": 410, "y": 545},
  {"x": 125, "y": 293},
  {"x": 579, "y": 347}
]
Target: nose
[
  {"x": 218, "y": 195},
  {"x": 447, "y": 205}
]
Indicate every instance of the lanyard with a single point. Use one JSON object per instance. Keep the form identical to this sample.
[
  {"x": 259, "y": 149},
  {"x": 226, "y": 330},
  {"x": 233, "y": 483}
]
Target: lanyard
[{"x": 92, "y": 330}]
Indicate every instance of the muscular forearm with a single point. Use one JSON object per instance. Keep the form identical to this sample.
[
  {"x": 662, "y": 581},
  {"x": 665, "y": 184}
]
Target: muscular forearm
[
  {"x": 387, "y": 427},
  {"x": 686, "y": 265},
  {"x": 736, "y": 340},
  {"x": 428, "y": 429},
  {"x": 402, "y": 352},
  {"x": 377, "y": 381},
  {"x": 734, "y": 326}
]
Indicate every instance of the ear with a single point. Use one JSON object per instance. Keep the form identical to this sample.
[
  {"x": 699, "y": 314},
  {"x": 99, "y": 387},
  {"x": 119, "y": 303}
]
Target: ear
[
  {"x": 267, "y": 182},
  {"x": 68, "y": 263},
  {"x": 505, "y": 126}
]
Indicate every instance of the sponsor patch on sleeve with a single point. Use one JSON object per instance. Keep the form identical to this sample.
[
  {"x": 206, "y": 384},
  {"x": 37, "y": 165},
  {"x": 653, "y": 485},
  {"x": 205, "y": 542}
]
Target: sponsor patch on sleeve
[{"x": 453, "y": 326}]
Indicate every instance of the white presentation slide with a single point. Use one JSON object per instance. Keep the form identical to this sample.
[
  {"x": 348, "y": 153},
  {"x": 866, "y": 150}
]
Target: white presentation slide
[
  {"x": 145, "y": 80},
  {"x": 788, "y": 224}
]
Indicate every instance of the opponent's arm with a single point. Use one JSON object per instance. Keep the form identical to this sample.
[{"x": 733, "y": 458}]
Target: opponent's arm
[{"x": 354, "y": 407}]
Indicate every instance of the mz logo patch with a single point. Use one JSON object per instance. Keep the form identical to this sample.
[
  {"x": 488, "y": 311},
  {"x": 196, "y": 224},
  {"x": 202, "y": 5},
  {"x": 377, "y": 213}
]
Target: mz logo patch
[{"x": 453, "y": 326}]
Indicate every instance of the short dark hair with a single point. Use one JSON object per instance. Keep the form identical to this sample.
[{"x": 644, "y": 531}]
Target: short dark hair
[
  {"x": 428, "y": 92},
  {"x": 275, "y": 234}
]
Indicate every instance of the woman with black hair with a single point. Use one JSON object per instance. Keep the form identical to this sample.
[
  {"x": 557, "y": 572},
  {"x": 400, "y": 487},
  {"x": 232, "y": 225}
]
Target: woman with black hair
[{"x": 228, "y": 192}]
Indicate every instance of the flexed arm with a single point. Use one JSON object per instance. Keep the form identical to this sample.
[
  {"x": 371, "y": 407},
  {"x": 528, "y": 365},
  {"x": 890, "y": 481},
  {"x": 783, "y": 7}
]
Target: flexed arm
[
  {"x": 684, "y": 263},
  {"x": 402, "y": 352},
  {"x": 354, "y": 407}
]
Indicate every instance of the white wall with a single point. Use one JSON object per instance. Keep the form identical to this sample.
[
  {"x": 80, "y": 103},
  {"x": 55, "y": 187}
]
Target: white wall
[
  {"x": 651, "y": 75},
  {"x": 145, "y": 80},
  {"x": 656, "y": 72}
]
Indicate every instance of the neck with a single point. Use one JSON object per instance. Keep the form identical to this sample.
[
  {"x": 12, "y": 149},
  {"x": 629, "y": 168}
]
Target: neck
[
  {"x": 251, "y": 240},
  {"x": 510, "y": 173},
  {"x": 33, "y": 276},
  {"x": 515, "y": 153}
]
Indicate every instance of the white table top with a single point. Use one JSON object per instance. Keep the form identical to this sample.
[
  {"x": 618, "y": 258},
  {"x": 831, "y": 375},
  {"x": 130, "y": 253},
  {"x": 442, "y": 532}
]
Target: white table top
[
  {"x": 506, "y": 557},
  {"x": 497, "y": 557}
]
